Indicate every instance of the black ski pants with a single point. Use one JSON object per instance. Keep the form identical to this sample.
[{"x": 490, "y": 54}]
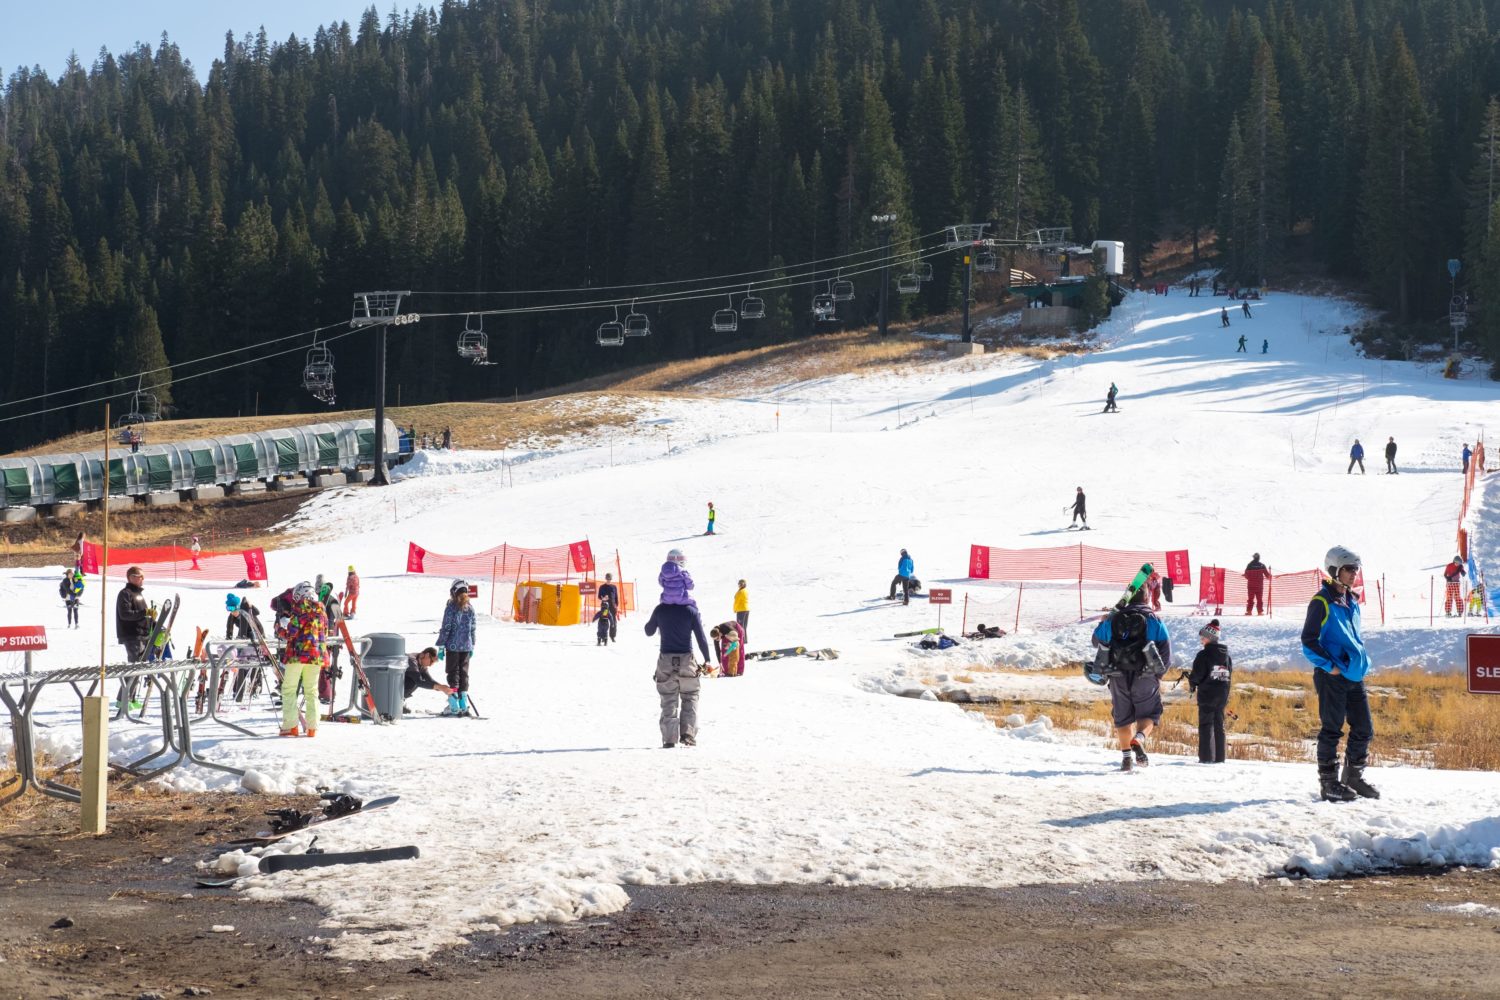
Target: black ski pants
[
  {"x": 1341, "y": 700},
  {"x": 1210, "y": 733},
  {"x": 458, "y": 668},
  {"x": 904, "y": 582},
  {"x": 1352, "y": 463}
]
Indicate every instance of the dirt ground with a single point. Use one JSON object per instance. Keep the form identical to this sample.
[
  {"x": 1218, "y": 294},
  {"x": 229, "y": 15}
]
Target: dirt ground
[{"x": 141, "y": 927}]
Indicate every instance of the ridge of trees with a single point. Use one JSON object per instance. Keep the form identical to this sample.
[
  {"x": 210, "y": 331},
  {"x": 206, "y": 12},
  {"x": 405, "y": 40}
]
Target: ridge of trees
[{"x": 150, "y": 217}]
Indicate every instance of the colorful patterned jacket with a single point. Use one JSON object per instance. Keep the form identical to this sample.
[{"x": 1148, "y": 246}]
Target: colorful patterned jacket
[{"x": 307, "y": 632}]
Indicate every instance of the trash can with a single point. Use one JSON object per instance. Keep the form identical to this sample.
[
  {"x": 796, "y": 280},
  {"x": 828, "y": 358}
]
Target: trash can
[{"x": 385, "y": 666}]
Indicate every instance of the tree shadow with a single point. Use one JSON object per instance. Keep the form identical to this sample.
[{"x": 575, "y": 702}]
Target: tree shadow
[{"x": 1165, "y": 811}]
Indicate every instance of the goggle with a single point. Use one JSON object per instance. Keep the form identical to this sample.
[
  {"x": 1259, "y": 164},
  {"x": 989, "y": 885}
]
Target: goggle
[{"x": 1349, "y": 567}]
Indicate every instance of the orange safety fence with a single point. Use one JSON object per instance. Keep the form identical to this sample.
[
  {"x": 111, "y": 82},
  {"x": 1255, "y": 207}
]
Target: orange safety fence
[
  {"x": 179, "y": 563},
  {"x": 1220, "y": 588},
  {"x": 1078, "y": 563},
  {"x": 506, "y": 562},
  {"x": 1473, "y": 472}
]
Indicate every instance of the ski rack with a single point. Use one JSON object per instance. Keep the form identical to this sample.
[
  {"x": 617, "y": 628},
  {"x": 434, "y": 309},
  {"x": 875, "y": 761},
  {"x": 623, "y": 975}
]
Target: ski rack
[{"x": 358, "y": 682}]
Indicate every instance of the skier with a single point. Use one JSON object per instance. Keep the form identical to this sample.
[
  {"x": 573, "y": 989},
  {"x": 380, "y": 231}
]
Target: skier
[
  {"x": 676, "y": 675},
  {"x": 1467, "y": 454},
  {"x": 70, "y": 590},
  {"x": 1331, "y": 642},
  {"x": 1212, "y": 668},
  {"x": 605, "y": 616},
  {"x": 241, "y": 611},
  {"x": 1139, "y": 653},
  {"x": 1109, "y": 399},
  {"x": 905, "y": 570},
  {"x": 1390, "y": 457},
  {"x": 1265, "y": 346},
  {"x": 351, "y": 593},
  {"x": 1256, "y": 575},
  {"x": 196, "y": 549},
  {"x": 132, "y": 616},
  {"x": 1453, "y": 575},
  {"x": 455, "y": 642},
  {"x": 712, "y": 516},
  {"x": 675, "y": 581},
  {"x": 1223, "y": 315},
  {"x": 1245, "y": 308},
  {"x": 77, "y": 548},
  {"x": 1080, "y": 509},
  {"x": 1241, "y": 348},
  {"x": 610, "y": 594},
  {"x": 417, "y": 676},
  {"x": 729, "y": 644},
  {"x": 306, "y": 632},
  {"x": 1356, "y": 454}
]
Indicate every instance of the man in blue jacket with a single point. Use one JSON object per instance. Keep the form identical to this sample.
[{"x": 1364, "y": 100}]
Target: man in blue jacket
[
  {"x": 1331, "y": 640},
  {"x": 677, "y": 672},
  {"x": 1356, "y": 455},
  {"x": 905, "y": 570}
]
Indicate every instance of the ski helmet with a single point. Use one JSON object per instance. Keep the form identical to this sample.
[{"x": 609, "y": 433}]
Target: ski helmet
[
  {"x": 1339, "y": 556},
  {"x": 457, "y": 585},
  {"x": 676, "y": 556},
  {"x": 231, "y": 602},
  {"x": 304, "y": 592}
]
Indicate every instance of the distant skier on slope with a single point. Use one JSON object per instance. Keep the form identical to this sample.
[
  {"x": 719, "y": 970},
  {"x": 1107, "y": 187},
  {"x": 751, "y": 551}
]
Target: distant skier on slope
[
  {"x": 1390, "y": 457},
  {"x": 1241, "y": 348},
  {"x": 1223, "y": 315},
  {"x": 1080, "y": 509},
  {"x": 1109, "y": 399},
  {"x": 1356, "y": 456},
  {"x": 906, "y": 569},
  {"x": 713, "y": 516}
]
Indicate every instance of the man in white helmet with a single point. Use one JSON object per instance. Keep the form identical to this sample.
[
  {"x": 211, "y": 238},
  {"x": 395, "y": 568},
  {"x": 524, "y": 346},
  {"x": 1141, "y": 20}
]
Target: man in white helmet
[{"x": 1331, "y": 640}]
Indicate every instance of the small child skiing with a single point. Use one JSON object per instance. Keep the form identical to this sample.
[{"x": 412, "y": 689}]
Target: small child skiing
[
  {"x": 712, "y": 516},
  {"x": 70, "y": 590},
  {"x": 604, "y": 616},
  {"x": 1210, "y": 678},
  {"x": 1265, "y": 346},
  {"x": 675, "y": 581}
]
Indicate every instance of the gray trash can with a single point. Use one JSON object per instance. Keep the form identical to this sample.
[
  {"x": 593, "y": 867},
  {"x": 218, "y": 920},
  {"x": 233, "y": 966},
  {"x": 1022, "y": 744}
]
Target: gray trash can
[{"x": 385, "y": 666}]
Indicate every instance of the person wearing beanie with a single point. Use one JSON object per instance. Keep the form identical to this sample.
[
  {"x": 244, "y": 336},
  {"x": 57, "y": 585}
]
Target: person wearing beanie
[{"x": 1209, "y": 679}]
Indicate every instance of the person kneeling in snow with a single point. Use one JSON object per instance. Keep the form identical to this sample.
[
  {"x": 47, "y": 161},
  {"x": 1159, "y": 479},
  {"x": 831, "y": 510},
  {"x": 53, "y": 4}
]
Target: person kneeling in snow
[
  {"x": 729, "y": 641},
  {"x": 417, "y": 676}
]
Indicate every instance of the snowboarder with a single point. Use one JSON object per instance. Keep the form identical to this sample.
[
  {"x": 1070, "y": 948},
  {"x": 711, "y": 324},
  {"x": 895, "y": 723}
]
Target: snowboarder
[
  {"x": 1241, "y": 348},
  {"x": 1390, "y": 457},
  {"x": 1356, "y": 455},
  {"x": 1139, "y": 653},
  {"x": 1467, "y": 454},
  {"x": 1265, "y": 346},
  {"x": 70, "y": 590},
  {"x": 351, "y": 593},
  {"x": 675, "y": 581},
  {"x": 196, "y": 549},
  {"x": 905, "y": 570},
  {"x": 729, "y": 644},
  {"x": 712, "y": 516},
  {"x": 1256, "y": 575},
  {"x": 1331, "y": 642},
  {"x": 1109, "y": 399},
  {"x": 610, "y": 594},
  {"x": 306, "y": 633},
  {"x": 1245, "y": 308},
  {"x": 1453, "y": 575},
  {"x": 1223, "y": 315},
  {"x": 1212, "y": 668},
  {"x": 132, "y": 616},
  {"x": 417, "y": 675},
  {"x": 742, "y": 607},
  {"x": 676, "y": 675},
  {"x": 1079, "y": 508},
  {"x": 455, "y": 643}
]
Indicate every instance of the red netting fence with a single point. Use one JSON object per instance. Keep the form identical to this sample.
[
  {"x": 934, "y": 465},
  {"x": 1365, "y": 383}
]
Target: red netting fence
[
  {"x": 506, "y": 562},
  {"x": 1080, "y": 563},
  {"x": 179, "y": 563}
]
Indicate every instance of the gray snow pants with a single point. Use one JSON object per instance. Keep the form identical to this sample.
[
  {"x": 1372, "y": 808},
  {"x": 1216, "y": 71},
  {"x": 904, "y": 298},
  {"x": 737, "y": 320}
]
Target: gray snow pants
[{"x": 677, "y": 683}]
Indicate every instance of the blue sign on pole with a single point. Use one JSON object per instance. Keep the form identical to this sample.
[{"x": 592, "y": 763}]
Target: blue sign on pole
[{"x": 1453, "y": 266}]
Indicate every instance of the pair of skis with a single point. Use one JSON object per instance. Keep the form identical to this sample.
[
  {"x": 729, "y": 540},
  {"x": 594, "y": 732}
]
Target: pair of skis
[
  {"x": 776, "y": 654},
  {"x": 285, "y": 822}
]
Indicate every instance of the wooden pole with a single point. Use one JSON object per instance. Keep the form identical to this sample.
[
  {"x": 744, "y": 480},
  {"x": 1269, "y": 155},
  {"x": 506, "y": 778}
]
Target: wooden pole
[{"x": 95, "y": 792}]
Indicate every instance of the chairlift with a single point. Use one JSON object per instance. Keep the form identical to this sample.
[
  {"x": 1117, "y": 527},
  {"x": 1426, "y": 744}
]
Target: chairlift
[
  {"x": 144, "y": 407},
  {"x": 824, "y": 310},
  {"x": 843, "y": 290},
  {"x": 923, "y": 270},
  {"x": 752, "y": 307},
  {"x": 727, "y": 320},
  {"x": 637, "y": 324},
  {"x": 985, "y": 260},
  {"x": 909, "y": 284},
  {"x": 611, "y": 332},
  {"x": 317, "y": 371},
  {"x": 474, "y": 343}
]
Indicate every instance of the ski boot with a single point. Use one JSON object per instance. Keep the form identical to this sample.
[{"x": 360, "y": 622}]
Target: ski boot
[
  {"x": 1141, "y": 759},
  {"x": 1330, "y": 787},
  {"x": 452, "y": 708},
  {"x": 463, "y": 703},
  {"x": 1354, "y": 779},
  {"x": 294, "y": 731}
]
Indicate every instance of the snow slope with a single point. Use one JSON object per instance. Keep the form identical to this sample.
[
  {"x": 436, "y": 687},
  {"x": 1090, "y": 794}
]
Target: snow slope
[{"x": 811, "y": 771}]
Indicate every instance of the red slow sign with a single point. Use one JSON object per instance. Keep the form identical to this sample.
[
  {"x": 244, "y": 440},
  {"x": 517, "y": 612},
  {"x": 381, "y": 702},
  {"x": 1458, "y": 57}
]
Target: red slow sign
[
  {"x": 937, "y": 595},
  {"x": 1484, "y": 664},
  {"x": 19, "y": 638}
]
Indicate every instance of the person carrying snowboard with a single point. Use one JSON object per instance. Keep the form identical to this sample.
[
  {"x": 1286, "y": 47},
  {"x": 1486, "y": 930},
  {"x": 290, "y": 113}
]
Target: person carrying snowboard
[
  {"x": 905, "y": 570},
  {"x": 1109, "y": 399},
  {"x": 1332, "y": 643},
  {"x": 1139, "y": 653},
  {"x": 1453, "y": 575},
  {"x": 455, "y": 643},
  {"x": 1390, "y": 457},
  {"x": 1241, "y": 348},
  {"x": 1256, "y": 575},
  {"x": 1356, "y": 455},
  {"x": 712, "y": 516},
  {"x": 1212, "y": 668},
  {"x": 305, "y": 628},
  {"x": 1223, "y": 315},
  {"x": 1080, "y": 509},
  {"x": 70, "y": 590}
]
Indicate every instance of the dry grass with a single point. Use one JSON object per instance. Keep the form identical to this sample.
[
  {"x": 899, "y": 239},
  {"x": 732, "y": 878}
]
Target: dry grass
[{"x": 1420, "y": 718}]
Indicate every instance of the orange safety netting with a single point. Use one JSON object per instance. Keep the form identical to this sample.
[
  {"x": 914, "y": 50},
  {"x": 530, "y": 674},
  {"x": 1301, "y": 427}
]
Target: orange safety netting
[
  {"x": 506, "y": 562},
  {"x": 1078, "y": 563},
  {"x": 1222, "y": 588},
  {"x": 179, "y": 563}
]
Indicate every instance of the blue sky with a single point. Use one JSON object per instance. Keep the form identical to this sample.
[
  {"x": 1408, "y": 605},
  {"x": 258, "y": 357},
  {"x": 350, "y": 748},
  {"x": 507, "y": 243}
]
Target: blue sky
[{"x": 45, "y": 33}]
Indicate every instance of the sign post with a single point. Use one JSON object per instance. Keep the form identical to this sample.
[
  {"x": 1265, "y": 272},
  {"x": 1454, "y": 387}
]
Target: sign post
[
  {"x": 94, "y": 796},
  {"x": 939, "y": 596},
  {"x": 1483, "y": 655}
]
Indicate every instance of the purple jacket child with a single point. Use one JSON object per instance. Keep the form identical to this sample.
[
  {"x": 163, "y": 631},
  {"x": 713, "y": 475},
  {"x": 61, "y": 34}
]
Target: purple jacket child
[{"x": 675, "y": 581}]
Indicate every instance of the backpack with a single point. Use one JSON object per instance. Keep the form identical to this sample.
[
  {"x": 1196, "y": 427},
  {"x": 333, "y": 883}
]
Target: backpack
[{"x": 1128, "y": 644}]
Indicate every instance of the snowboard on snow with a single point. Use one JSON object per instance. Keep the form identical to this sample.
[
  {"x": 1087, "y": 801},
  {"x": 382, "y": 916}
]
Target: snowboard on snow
[
  {"x": 775, "y": 654},
  {"x": 920, "y": 631},
  {"x": 286, "y": 822},
  {"x": 317, "y": 859}
]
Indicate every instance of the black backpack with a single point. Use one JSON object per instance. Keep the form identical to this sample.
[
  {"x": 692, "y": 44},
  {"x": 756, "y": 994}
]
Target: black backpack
[{"x": 1127, "y": 640}]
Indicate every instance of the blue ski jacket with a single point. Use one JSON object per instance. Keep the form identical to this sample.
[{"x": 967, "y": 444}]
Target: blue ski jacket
[
  {"x": 1358, "y": 451},
  {"x": 1330, "y": 635},
  {"x": 457, "y": 632},
  {"x": 906, "y": 567}
]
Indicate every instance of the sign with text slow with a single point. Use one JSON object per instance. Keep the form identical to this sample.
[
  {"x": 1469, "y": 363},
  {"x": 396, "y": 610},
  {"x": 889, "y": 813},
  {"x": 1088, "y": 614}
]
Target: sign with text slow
[
  {"x": 1178, "y": 567},
  {"x": 937, "y": 595},
  {"x": 22, "y": 638},
  {"x": 1484, "y": 663}
]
